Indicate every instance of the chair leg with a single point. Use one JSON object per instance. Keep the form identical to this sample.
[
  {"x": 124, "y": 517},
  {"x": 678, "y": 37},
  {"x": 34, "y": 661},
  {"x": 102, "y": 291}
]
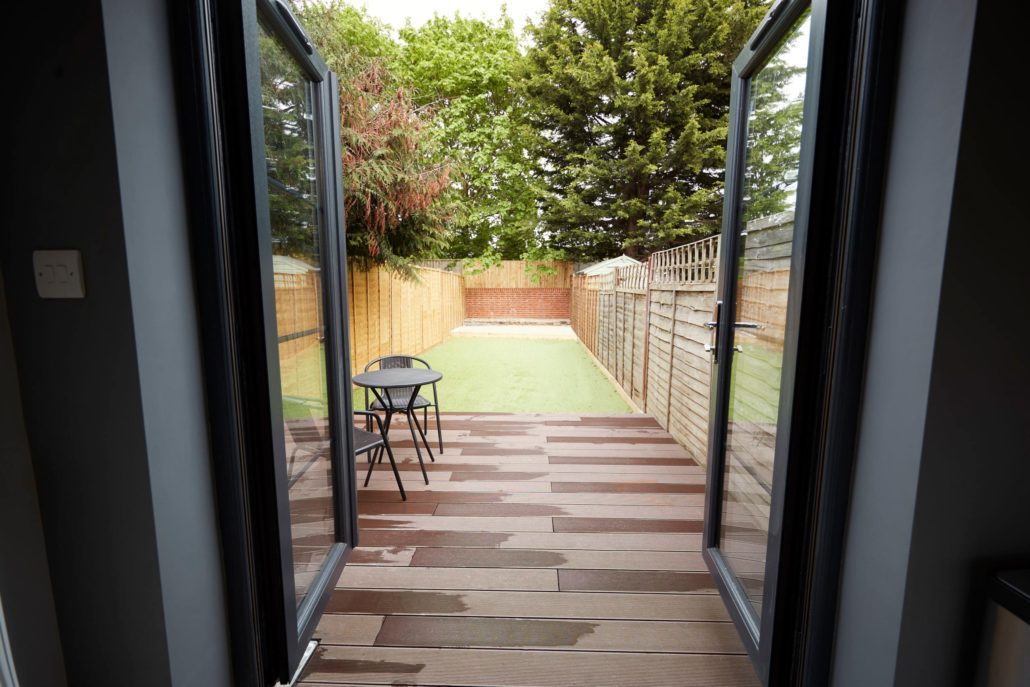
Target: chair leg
[
  {"x": 371, "y": 466},
  {"x": 439, "y": 431},
  {"x": 386, "y": 432},
  {"x": 425, "y": 442},
  {"x": 412, "y": 423},
  {"x": 396, "y": 472}
]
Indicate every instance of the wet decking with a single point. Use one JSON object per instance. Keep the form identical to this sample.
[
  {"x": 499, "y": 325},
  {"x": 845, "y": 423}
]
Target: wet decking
[{"x": 547, "y": 550}]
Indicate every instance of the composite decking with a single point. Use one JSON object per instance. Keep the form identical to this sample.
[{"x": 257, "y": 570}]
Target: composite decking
[{"x": 547, "y": 550}]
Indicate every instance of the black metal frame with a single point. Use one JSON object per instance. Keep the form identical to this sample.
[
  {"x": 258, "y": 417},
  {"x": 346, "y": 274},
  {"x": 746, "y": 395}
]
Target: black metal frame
[
  {"x": 384, "y": 444},
  {"x": 218, "y": 78},
  {"x": 425, "y": 410},
  {"x": 848, "y": 94}
]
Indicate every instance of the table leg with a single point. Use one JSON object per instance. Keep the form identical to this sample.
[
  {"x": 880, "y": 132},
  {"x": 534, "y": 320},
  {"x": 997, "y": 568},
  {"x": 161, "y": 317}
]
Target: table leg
[{"x": 412, "y": 423}]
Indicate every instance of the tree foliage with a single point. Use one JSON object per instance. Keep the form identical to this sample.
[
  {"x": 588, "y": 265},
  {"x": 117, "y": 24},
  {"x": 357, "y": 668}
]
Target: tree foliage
[
  {"x": 463, "y": 69},
  {"x": 629, "y": 99},
  {"x": 395, "y": 175},
  {"x": 773, "y": 138}
]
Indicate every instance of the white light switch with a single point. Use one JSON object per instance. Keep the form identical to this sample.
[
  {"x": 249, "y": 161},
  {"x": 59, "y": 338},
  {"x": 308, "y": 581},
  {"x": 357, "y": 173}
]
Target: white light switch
[{"x": 58, "y": 273}]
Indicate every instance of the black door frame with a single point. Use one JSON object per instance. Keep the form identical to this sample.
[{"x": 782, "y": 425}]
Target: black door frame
[
  {"x": 221, "y": 123},
  {"x": 849, "y": 92}
]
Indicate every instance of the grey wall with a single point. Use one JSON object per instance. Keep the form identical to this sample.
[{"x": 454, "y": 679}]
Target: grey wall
[
  {"x": 111, "y": 384},
  {"x": 28, "y": 604},
  {"x": 974, "y": 481},
  {"x": 941, "y": 476},
  {"x": 167, "y": 338}
]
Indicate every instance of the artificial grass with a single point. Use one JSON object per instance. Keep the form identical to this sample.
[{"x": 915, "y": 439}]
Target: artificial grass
[{"x": 513, "y": 375}]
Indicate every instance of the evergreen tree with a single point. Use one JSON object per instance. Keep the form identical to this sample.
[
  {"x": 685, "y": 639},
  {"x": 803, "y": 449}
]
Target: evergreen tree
[{"x": 629, "y": 99}]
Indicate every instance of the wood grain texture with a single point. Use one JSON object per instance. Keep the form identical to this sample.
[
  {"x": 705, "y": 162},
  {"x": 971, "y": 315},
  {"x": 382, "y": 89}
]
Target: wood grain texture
[{"x": 546, "y": 550}]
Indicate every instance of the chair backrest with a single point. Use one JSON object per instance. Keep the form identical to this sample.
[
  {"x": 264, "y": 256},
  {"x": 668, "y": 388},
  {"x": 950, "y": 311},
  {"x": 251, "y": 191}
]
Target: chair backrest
[{"x": 394, "y": 362}]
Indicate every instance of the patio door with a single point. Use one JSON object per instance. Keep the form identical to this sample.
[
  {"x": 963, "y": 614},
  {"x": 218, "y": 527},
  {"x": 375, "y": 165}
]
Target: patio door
[
  {"x": 788, "y": 326},
  {"x": 271, "y": 260}
]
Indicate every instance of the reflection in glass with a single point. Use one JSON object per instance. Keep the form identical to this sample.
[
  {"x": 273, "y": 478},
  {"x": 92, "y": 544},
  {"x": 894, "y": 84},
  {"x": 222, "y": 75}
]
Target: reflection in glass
[
  {"x": 288, "y": 103},
  {"x": 772, "y": 159}
]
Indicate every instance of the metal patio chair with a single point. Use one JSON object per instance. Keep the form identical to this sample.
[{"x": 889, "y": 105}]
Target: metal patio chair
[
  {"x": 398, "y": 398},
  {"x": 368, "y": 442}
]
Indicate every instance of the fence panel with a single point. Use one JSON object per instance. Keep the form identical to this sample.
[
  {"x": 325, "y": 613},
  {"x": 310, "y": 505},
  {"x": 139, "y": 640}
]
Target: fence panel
[
  {"x": 389, "y": 314},
  {"x": 646, "y": 325}
]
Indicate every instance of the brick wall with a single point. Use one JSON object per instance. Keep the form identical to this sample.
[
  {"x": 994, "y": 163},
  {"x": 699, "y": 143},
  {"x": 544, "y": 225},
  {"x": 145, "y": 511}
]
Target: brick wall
[{"x": 537, "y": 304}]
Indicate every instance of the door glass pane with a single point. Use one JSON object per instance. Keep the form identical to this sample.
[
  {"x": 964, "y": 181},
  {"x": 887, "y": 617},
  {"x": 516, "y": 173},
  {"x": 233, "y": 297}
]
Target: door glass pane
[
  {"x": 288, "y": 103},
  {"x": 762, "y": 275}
]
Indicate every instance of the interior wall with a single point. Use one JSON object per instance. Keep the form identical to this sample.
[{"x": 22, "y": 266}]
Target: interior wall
[
  {"x": 28, "y": 603},
  {"x": 927, "y": 121},
  {"x": 111, "y": 384},
  {"x": 973, "y": 504},
  {"x": 167, "y": 339},
  {"x": 77, "y": 359}
]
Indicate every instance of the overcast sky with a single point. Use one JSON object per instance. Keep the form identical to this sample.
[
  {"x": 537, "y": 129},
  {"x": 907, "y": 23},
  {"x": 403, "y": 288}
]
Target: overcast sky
[{"x": 396, "y": 12}]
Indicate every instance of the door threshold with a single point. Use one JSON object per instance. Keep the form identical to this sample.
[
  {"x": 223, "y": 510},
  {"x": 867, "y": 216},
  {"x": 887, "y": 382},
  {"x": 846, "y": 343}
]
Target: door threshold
[{"x": 308, "y": 653}]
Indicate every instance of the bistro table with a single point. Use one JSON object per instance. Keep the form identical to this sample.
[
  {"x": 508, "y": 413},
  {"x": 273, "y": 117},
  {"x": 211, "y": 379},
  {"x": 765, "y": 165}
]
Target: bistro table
[{"x": 400, "y": 379}]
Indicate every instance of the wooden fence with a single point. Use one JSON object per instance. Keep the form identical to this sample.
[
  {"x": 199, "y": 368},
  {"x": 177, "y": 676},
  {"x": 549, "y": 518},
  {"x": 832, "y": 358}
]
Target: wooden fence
[
  {"x": 645, "y": 324},
  {"x": 522, "y": 274},
  {"x": 389, "y": 314}
]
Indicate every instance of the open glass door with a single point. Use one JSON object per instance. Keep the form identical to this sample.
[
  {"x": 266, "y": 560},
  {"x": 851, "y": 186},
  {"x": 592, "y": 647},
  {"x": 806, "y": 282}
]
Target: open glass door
[
  {"x": 765, "y": 229},
  {"x": 301, "y": 256},
  {"x": 262, "y": 145}
]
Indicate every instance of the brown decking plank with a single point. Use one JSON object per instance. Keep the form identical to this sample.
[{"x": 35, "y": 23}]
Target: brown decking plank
[
  {"x": 635, "y": 581},
  {"x": 582, "y": 635},
  {"x": 381, "y": 555},
  {"x": 365, "y": 577},
  {"x": 562, "y": 439},
  {"x": 523, "y": 604},
  {"x": 506, "y": 668},
  {"x": 427, "y": 523},
  {"x": 394, "y": 507},
  {"x": 615, "y": 460},
  {"x": 572, "y": 510},
  {"x": 627, "y": 487},
  {"x": 625, "y": 525},
  {"x": 349, "y": 629},
  {"x": 567, "y": 558}
]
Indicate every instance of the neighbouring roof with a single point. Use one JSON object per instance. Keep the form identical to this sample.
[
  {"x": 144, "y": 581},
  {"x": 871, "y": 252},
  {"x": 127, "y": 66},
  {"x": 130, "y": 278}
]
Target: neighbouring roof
[
  {"x": 608, "y": 265},
  {"x": 284, "y": 264}
]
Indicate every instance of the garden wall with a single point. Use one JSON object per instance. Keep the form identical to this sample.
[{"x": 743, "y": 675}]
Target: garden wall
[{"x": 517, "y": 290}]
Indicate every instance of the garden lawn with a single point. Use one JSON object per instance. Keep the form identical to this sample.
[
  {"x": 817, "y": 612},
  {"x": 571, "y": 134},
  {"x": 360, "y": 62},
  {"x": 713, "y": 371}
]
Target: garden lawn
[{"x": 494, "y": 374}]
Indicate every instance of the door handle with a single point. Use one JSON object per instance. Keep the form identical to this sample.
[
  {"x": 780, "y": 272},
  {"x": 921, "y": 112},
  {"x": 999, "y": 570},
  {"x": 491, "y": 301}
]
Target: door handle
[
  {"x": 713, "y": 326},
  {"x": 748, "y": 325}
]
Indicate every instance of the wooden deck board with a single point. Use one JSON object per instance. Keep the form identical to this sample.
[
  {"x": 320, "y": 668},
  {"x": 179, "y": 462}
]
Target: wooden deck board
[{"x": 555, "y": 550}]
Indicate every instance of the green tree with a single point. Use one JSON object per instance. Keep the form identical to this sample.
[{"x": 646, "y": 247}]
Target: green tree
[
  {"x": 463, "y": 69},
  {"x": 773, "y": 138},
  {"x": 629, "y": 99},
  {"x": 395, "y": 174}
]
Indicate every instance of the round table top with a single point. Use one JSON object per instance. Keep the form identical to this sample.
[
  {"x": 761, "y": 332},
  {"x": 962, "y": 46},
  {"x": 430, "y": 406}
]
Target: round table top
[{"x": 397, "y": 377}]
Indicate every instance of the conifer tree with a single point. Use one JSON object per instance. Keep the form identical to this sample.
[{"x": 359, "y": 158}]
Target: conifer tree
[{"x": 630, "y": 99}]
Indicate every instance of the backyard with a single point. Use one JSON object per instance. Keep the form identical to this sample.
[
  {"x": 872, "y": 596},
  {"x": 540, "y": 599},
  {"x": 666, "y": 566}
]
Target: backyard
[{"x": 521, "y": 375}]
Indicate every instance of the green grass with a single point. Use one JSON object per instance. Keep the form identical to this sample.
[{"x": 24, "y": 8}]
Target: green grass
[
  {"x": 481, "y": 374},
  {"x": 510, "y": 375},
  {"x": 303, "y": 380}
]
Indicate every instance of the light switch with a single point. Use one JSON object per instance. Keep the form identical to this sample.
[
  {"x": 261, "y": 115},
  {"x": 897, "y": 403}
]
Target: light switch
[{"x": 58, "y": 273}]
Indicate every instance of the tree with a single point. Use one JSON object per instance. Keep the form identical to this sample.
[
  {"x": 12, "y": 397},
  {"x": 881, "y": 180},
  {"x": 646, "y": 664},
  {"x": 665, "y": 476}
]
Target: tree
[
  {"x": 773, "y": 138},
  {"x": 395, "y": 175},
  {"x": 463, "y": 69},
  {"x": 629, "y": 99}
]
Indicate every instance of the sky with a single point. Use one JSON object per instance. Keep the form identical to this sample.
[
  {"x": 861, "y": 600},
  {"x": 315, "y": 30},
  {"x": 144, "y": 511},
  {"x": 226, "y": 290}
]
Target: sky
[{"x": 396, "y": 12}]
